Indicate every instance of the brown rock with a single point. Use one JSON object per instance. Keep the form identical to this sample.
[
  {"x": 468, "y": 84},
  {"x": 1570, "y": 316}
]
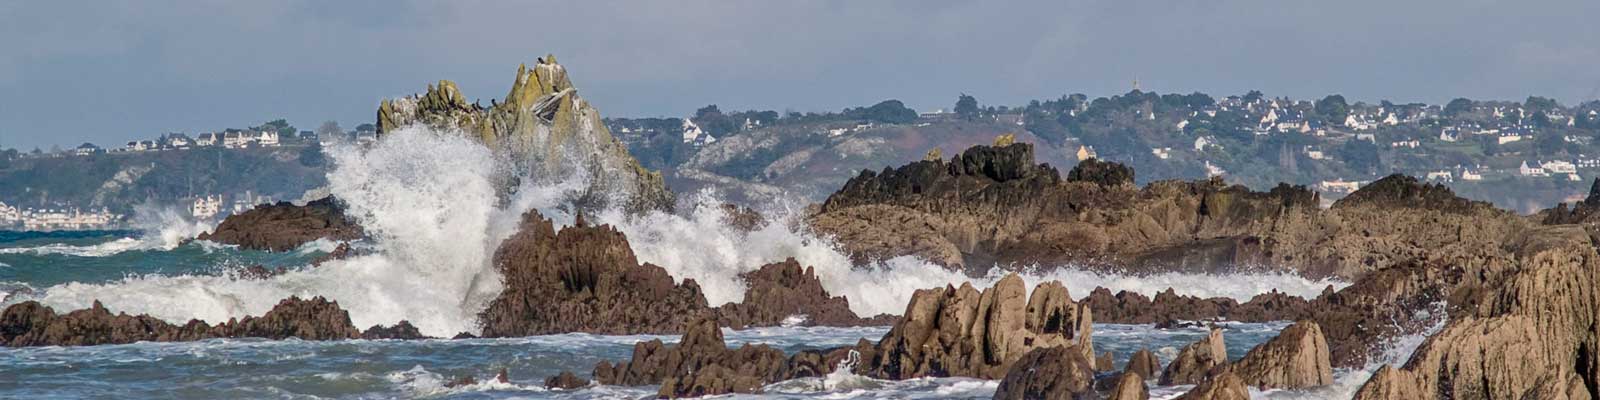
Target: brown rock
[
  {"x": 1297, "y": 358},
  {"x": 1223, "y": 386},
  {"x": 401, "y": 330},
  {"x": 1104, "y": 363},
  {"x": 32, "y": 324},
  {"x": 285, "y": 226},
  {"x": 565, "y": 381},
  {"x": 1130, "y": 386},
  {"x": 1048, "y": 373},
  {"x": 1196, "y": 361},
  {"x": 780, "y": 290},
  {"x": 700, "y": 365},
  {"x": 1143, "y": 363}
]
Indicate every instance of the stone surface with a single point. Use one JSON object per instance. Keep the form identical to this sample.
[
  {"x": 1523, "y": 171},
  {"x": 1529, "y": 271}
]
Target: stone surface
[
  {"x": 1048, "y": 373},
  {"x": 285, "y": 226},
  {"x": 1101, "y": 173},
  {"x": 32, "y": 324},
  {"x": 780, "y": 290},
  {"x": 402, "y": 330},
  {"x": 565, "y": 381},
  {"x": 1130, "y": 386},
  {"x": 546, "y": 128},
  {"x": 1196, "y": 361},
  {"x": 1296, "y": 359},
  {"x": 699, "y": 365},
  {"x": 1144, "y": 363},
  {"x": 1223, "y": 386}
]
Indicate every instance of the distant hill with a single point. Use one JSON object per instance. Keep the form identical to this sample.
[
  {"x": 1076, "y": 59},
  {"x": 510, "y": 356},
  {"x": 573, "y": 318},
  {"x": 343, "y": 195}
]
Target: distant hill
[{"x": 121, "y": 180}]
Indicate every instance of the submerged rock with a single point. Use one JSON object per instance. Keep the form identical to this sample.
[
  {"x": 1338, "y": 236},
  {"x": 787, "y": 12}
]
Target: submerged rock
[
  {"x": 565, "y": 381},
  {"x": 285, "y": 226},
  {"x": 546, "y": 128},
  {"x": 1196, "y": 361},
  {"x": 1297, "y": 358},
  {"x": 1048, "y": 373}
]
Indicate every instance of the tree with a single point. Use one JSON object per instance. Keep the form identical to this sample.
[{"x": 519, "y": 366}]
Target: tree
[
  {"x": 280, "y": 126},
  {"x": 891, "y": 112},
  {"x": 330, "y": 129},
  {"x": 366, "y": 128},
  {"x": 1253, "y": 96},
  {"x": 1550, "y": 144},
  {"x": 1360, "y": 155},
  {"x": 967, "y": 107},
  {"x": 1538, "y": 104},
  {"x": 711, "y": 119},
  {"x": 1457, "y": 107},
  {"x": 1333, "y": 108}
]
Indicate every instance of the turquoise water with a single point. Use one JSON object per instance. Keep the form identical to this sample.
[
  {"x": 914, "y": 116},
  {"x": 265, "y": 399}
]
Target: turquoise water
[{"x": 34, "y": 263}]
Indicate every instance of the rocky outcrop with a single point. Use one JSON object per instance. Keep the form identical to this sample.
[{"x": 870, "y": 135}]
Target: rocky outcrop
[
  {"x": 402, "y": 330},
  {"x": 1130, "y": 386},
  {"x": 565, "y": 381},
  {"x": 1144, "y": 363},
  {"x": 33, "y": 324},
  {"x": 285, "y": 226},
  {"x": 780, "y": 290},
  {"x": 700, "y": 365},
  {"x": 583, "y": 279},
  {"x": 1297, "y": 358},
  {"x": 1101, "y": 173},
  {"x": 964, "y": 332},
  {"x": 1048, "y": 373},
  {"x": 1134, "y": 308},
  {"x": 546, "y": 128},
  {"x": 1222, "y": 386},
  {"x": 1196, "y": 361}
]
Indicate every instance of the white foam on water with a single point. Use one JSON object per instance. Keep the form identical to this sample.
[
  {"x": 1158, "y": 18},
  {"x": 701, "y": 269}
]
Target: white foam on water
[{"x": 163, "y": 229}]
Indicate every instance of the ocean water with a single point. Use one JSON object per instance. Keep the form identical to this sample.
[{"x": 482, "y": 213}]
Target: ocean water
[{"x": 430, "y": 205}]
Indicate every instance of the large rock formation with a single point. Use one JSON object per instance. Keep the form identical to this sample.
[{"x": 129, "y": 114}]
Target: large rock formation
[
  {"x": 1196, "y": 361},
  {"x": 285, "y": 226},
  {"x": 546, "y": 128},
  {"x": 33, "y": 324},
  {"x": 1222, "y": 386},
  {"x": 583, "y": 279},
  {"x": 1048, "y": 373},
  {"x": 586, "y": 279},
  {"x": 1144, "y": 363},
  {"x": 1134, "y": 308},
  {"x": 1297, "y": 358},
  {"x": 1130, "y": 386},
  {"x": 964, "y": 332}
]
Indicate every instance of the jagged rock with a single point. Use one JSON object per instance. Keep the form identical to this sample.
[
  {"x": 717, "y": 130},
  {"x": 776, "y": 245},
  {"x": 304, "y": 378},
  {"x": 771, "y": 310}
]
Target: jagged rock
[
  {"x": 546, "y": 128},
  {"x": 936, "y": 154},
  {"x": 1048, "y": 373},
  {"x": 463, "y": 335},
  {"x": 565, "y": 381},
  {"x": 1104, "y": 363},
  {"x": 1144, "y": 363},
  {"x": 780, "y": 290},
  {"x": 1196, "y": 361},
  {"x": 583, "y": 279},
  {"x": 1103, "y": 173},
  {"x": 1222, "y": 386},
  {"x": 700, "y": 365},
  {"x": 341, "y": 252},
  {"x": 402, "y": 330},
  {"x": 1168, "y": 309},
  {"x": 962, "y": 332},
  {"x": 1130, "y": 386},
  {"x": 285, "y": 226},
  {"x": 1297, "y": 358},
  {"x": 32, "y": 324}
]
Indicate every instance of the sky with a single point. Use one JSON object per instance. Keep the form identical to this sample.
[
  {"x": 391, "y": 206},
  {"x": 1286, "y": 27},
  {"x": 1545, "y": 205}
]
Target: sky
[{"x": 108, "y": 72}]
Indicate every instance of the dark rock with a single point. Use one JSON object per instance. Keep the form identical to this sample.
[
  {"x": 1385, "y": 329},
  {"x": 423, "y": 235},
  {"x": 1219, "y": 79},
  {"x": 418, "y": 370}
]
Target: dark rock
[
  {"x": 1048, "y": 373},
  {"x": 1103, "y": 173},
  {"x": 1196, "y": 361},
  {"x": 565, "y": 381},
  {"x": 1401, "y": 191},
  {"x": 341, "y": 252},
  {"x": 464, "y": 335},
  {"x": 285, "y": 226},
  {"x": 32, "y": 324},
  {"x": 1144, "y": 363},
  {"x": 701, "y": 364},
  {"x": 401, "y": 331},
  {"x": 777, "y": 291}
]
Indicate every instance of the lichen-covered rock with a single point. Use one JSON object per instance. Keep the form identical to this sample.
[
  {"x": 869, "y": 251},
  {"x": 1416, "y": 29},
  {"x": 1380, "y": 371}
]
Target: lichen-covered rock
[
  {"x": 285, "y": 226},
  {"x": 546, "y": 128},
  {"x": 1296, "y": 359},
  {"x": 583, "y": 279},
  {"x": 32, "y": 324},
  {"x": 1048, "y": 373},
  {"x": 1222, "y": 386},
  {"x": 1196, "y": 361}
]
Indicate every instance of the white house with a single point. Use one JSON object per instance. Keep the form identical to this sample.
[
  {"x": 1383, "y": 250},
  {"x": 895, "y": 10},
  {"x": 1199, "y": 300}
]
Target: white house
[
  {"x": 235, "y": 140},
  {"x": 691, "y": 131},
  {"x": 1200, "y": 143},
  {"x": 1509, "y": 136},
  {"x": 1559, "y": 167},
  {"x": 206, "y": 207},
  {"x": 1391, "y": 120},
  {"x": 206, "y": 139},
  {"x": 86, "y": 149},
  {"x": 1526, "y": 170},
  {"x": 1314, "y": 153},
  {"x": 267, "y": 138},
  {"x": 1450, "y": 134},
  {"x": 1162, "y": 153},
  {"x": 1338, "y": 186},
  {"x": 1413, "y": 143},
  {"x": 1471, "y": 175},
  {"x": 1442, "y": 175}
]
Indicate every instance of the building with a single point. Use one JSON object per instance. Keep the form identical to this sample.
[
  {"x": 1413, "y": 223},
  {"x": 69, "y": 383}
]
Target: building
[
  {"x": 234, "y": 140},
  {"x": 206, "y": 207},
  {"x": 691, "y": 131},
  {"x": 1213, "y": 170},
  {"x": 1086, "y": 152},
  {"x": 1559, "y": 167},
  {"x": 1338, "y": 186},
  {"x": 206, "y": 139},
  {"x": 86, "y": 149},
  {"x": 1315, "y": 153},
  {"x": 267, "y": 139},
  {"x": 1413, "y": 143},
  {"x": 1470, "y": 174},
  {"x": 53, "y": 219},
  {"x": 1526, "y": 170},
  {"x": 1162, "y": 153},
  {"x": 175, "y": 141},
  {"x": 136, "y": 146},
  {"x": 1200, "y": 143},
  {"x": 1442, "y": 175},
  {"x": 9, "y": 215},
  {"x": 1508, "y": 136}
]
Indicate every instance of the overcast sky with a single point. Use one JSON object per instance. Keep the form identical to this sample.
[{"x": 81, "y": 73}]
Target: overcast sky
[{"x": 108, "y": 72}]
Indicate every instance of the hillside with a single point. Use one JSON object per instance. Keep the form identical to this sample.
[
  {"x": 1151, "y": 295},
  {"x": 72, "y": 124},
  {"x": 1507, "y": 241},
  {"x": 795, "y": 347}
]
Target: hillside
[{"x": 121, "y": 180}]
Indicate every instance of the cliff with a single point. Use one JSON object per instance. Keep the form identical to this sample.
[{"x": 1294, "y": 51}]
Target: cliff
[{"x": 546, "y": 128}]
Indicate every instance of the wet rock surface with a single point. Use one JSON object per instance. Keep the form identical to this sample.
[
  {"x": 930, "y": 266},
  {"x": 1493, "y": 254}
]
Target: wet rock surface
[
  {"x": 402, "y": 330},
  {"x": 1048, "y": 373},
  {"x": 699, "y": 365},
  {"x": 1196, "y": 361},
  {"x": 1222, "y": 386},
  {"x": 1296, "y": 359},
  {"x": 32, "y": 324},
  {"x": 780, "y": 290},
  {"x": 285, "y": 226},
  {"x": 565, "y": 381}
]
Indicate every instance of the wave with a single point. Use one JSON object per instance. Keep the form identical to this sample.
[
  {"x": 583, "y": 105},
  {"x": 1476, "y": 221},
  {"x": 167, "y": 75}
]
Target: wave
[{"x": 430, "y": 204}]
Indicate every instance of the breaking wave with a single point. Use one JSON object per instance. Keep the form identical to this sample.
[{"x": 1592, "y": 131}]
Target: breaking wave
[
  {"x": 429, "y": 202},
  {"x": 161, "y": 229}
]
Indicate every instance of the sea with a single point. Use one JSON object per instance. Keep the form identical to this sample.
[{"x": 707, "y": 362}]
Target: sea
[{"x": 434, "y": 216}]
